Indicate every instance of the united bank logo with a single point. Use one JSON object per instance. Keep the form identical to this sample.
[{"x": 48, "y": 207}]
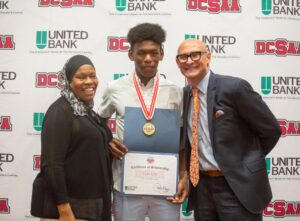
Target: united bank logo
[
  {"x": 119, "y": 75},
  {"x": 220, "y": 46},
  {"x": 266, "y": 85},
  {"x": 266, "y": 7},
  {"x": 7, "y": 42},
  {"x": 3, "y": 5},
  {"x": 121, "y": 5},
  {"x": 275, "y": 7},
  {"x": 47, "y": 80},
  {"x": 4, "y": 206},
  {"x": 64, "y": 39},
  {"x": 214, "y": 6},
  {"x": 41, "y": 39},
  {"x": 279, "y": 47},
  {"x": 66, "y": 3},
  {"x": 138, "y": 5},
  {"x": 280, "y": 86},
  {"x": 289, "y": 128},
  {"x": 268, "y": 165},
  {"x": 38, "y": 119},
  {"x": 282, "y": 209},
  {"x": 116, "y": 44},
  {"x": 36, "y": 162},
  {"x": 5, "y": 123},
  {"x": 283, "y": 168},
  {"x": 6, "y": 76},
  {"x": 184, "y": 213},
  {"x": 6, "y": 8},
  {"x": 4, "y": 159}
]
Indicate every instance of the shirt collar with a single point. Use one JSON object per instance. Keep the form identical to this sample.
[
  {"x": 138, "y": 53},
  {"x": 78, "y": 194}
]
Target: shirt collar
[
  {"x": 203, "y": 84},
  {"x": 149, "y": 84}
]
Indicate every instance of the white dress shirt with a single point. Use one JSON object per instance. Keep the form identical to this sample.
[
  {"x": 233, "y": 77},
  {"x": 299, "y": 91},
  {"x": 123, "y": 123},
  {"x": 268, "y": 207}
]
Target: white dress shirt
[{"x": 206, "y": 158}]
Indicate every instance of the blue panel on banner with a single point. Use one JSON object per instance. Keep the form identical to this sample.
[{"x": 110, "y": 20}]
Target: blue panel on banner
[{"x": 167, "y": 131}]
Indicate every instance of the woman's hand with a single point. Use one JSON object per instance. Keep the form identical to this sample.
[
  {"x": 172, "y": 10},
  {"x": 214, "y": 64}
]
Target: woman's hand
[{"x": 117, "y": 149}]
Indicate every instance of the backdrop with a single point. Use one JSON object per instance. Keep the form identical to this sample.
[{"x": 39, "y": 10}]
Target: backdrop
[{"x": 256, "y": 40}]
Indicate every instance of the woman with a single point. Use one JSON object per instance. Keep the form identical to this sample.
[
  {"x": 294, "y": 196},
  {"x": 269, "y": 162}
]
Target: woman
[{"x": 75, "y": 178}]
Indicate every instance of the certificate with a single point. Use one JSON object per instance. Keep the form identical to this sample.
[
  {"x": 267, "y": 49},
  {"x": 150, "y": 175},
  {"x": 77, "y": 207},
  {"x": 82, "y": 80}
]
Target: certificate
[{"x": 150, "y": 174}]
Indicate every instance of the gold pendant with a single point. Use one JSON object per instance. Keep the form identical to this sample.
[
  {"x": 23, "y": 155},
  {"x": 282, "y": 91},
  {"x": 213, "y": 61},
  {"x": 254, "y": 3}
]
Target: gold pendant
[{"x": 149, "y": 129}]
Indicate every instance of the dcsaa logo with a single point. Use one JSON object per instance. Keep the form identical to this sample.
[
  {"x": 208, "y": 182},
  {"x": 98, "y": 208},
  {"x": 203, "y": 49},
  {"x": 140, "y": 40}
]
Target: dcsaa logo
[
  {"x": 5, "y": 123},
  {"x": 117, "y": 44},
  {"x": 47, "y": 79},
  {"x": 112, "y": 124},
  {"x": 279, "y": 47},
  {"x": 214, "y": 6},
  {"x": 66, "y": 3},
  {"x": 36, "y": 162},
  {"x": 4, "y": 206},
  {"x": 7, "y": 42}
]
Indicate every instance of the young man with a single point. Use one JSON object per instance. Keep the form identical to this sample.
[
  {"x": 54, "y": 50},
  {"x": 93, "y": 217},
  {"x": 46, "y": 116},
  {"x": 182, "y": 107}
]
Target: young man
[
  {"x": 227, "y": 132},
  {"x": 146, "y": 51}
]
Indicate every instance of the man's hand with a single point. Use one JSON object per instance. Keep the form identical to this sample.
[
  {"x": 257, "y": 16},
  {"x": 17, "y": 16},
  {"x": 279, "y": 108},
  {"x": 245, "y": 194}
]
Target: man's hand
[
  {"x": 182, "y": 191},
  {"x": 65, "y": 212},
  {"x": 117, "y": 148}
]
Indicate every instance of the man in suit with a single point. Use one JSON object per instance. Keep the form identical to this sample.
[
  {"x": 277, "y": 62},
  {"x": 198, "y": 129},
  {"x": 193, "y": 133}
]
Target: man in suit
[{"x": 226, "y": 140}]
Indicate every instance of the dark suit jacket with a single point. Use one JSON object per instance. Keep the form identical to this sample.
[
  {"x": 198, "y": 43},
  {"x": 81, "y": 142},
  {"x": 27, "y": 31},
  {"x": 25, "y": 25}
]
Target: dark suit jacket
[{"x": 240, "y": 138}]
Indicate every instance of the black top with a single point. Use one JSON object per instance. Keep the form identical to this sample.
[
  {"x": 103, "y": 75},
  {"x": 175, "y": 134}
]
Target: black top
[{"x": 75, "y": 160}]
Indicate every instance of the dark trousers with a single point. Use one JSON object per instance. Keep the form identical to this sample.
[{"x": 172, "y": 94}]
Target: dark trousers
[{"x": 217, "y": 202}]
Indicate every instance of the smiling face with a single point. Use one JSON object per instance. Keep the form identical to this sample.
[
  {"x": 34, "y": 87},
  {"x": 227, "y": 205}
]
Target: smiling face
[
  {"x": 84, "y": 83},
  {"x": 146, "y": 56},
  {"x": 195, "y": 70}
]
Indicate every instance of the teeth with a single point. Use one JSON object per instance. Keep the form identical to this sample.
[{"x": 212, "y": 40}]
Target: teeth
[{"x": 89, "y": 89}]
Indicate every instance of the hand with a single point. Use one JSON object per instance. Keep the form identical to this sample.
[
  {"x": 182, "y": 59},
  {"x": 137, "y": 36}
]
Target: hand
[
  {"x": 117, "y": 148},
  {"x": 182, "y": 191},
  {"x": 67, "y": 218},
  {"x": 65, "y": 212}
]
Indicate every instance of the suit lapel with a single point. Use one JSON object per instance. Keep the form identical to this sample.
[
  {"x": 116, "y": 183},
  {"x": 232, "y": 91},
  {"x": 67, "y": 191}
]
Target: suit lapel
[
  {"x": 211, "y": 90},
  {"x": 186, "y": 104}
]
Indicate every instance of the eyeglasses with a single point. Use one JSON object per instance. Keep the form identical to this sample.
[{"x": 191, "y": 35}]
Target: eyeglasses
[{"x": 195, "y": 56}]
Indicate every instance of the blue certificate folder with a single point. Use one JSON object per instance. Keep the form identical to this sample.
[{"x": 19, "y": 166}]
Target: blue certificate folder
[{"x": 167, "y": 131}]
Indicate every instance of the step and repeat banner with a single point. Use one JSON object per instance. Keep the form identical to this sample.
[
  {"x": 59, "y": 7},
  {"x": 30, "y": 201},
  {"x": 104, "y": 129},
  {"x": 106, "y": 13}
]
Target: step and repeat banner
[{"x": 255, "y": 40}]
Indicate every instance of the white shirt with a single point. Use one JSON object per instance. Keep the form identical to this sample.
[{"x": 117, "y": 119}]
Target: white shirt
[
  {"x": 205, "y": 151},
  {"x": 121, "y": 93}
]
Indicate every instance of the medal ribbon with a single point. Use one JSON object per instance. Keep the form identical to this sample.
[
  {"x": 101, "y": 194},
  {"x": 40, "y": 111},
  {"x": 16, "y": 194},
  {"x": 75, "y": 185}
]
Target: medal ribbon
[{"x": 147, "y": 113}]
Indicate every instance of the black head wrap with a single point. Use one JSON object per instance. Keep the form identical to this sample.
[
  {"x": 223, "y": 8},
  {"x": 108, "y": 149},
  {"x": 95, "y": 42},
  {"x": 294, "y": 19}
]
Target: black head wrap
[
  {"x": 66, "y": 75},
  {"x": 74, "y": 63}
]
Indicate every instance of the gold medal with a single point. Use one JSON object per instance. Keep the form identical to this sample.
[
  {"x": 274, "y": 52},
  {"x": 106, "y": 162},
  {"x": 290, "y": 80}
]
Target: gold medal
[{"x": 149, "y": 129}]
